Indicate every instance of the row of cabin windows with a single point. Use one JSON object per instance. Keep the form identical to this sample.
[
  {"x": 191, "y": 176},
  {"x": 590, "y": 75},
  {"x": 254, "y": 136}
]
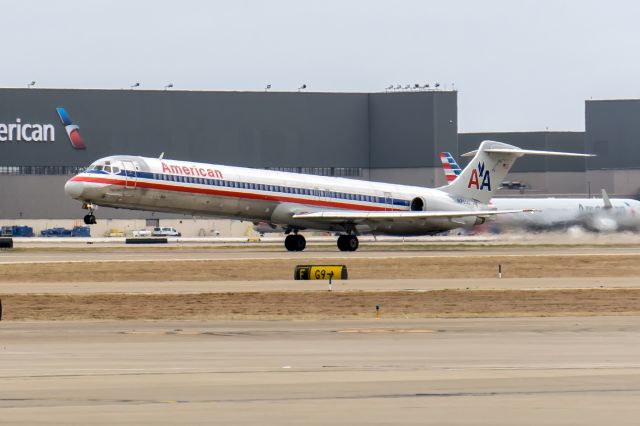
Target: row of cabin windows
[
  {"x": 271, "y": 188},
  {"x": 322, "y": 171}
]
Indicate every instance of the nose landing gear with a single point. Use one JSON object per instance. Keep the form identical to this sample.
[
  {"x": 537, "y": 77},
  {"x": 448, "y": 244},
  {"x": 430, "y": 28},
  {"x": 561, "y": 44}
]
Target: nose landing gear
[
  {"x": 348, "y": 242},
  {"x": 89, "y": 219}
]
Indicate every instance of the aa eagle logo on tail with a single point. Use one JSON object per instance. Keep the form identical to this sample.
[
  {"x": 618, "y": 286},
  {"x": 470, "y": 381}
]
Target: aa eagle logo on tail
[{"x": 480, "y": 178}]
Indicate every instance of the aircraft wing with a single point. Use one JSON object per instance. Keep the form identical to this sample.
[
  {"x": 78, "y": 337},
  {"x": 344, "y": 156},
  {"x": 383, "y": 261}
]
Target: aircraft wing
[{"x": 339, "y": 216}]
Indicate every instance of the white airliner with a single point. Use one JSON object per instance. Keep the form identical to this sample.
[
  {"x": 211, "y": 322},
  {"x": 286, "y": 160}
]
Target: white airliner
[
  {"x": 600, "y": 215},
  {"x": 297, "y": 201}
]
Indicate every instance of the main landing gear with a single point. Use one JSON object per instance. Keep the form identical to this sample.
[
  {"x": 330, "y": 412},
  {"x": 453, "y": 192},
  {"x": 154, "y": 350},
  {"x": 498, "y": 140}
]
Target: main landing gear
[
  {"x": 348, "y": 242},
  {"x": 295, "y": 242},
  {"x": 90, "y": 218}
]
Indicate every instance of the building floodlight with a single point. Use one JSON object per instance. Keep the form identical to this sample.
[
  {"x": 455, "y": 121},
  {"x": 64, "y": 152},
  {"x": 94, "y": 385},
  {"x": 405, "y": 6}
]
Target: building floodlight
[
  {"x": 268, "y": 87},
  {"x": 390, "y": 87},
  {"x": 398, "y": 87},
  {"x": 30, "y": 85},
  {"x": 168, "y": 86},
  {"x": 407, "y": 87},
  {"x": 134, "y": 85},
  {"x": 437, "y": 85},
  {"x": 304, "y": 86}
]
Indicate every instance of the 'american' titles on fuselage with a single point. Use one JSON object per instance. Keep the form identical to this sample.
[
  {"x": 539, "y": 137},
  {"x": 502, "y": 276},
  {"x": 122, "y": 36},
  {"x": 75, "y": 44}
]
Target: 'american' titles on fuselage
[{"x": 192, "y": 170}]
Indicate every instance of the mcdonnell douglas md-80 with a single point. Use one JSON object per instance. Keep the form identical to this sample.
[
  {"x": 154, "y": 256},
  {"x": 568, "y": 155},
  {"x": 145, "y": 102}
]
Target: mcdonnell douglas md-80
[
  {"x": 593, "y": 214},
  {"x": 298, "y": 201}
]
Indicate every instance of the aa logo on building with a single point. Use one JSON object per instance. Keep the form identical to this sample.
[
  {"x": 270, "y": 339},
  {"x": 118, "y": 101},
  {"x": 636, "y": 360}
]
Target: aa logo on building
[
  {"x": 73, "y": 131},
  {"x": 480, "y": 178}
]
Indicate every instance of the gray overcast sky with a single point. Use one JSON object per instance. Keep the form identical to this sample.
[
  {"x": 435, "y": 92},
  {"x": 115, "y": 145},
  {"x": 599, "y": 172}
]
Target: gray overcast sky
[{"x": 518, "y": 65}]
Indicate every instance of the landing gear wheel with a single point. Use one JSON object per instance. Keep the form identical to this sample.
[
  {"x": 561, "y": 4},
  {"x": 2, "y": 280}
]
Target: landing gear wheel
[
  {"x": 90, "y": 219},
  {"x": 348, "y": 243},
  {"x": 295, "y": 242},
  {"x": 288, "y": 242},
  {"x": 341, "y": 244}
]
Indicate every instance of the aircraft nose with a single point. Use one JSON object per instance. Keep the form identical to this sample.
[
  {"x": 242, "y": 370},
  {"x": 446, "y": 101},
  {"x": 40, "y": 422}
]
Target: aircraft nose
[{"x": 73, "y": 188}]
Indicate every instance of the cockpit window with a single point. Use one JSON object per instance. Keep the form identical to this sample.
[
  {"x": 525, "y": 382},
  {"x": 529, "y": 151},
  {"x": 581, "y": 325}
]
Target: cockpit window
[{"x": 107, "y": 166}]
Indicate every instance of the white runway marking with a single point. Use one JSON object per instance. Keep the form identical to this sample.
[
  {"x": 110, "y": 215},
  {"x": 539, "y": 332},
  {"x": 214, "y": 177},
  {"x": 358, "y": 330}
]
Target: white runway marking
[{"x": 311, "y": 256}]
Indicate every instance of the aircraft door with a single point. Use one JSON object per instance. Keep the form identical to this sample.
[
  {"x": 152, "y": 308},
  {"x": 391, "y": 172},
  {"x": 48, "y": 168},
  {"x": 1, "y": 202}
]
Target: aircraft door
[
  {"x": 388, "y": 201},
  {"x": 131, "y": 174}
]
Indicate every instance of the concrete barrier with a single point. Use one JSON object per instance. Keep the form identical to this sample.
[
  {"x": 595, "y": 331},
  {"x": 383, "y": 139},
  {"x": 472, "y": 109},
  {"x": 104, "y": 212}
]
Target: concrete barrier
[
  {"x": 161, "y": 240},
  {"x": 6, "y": 243}
]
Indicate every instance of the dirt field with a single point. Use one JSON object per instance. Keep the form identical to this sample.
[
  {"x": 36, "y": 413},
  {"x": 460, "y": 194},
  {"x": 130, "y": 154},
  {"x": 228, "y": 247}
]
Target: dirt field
[
  {"x": 431, "y": 267},
  {"x": 323, "y": 305}
]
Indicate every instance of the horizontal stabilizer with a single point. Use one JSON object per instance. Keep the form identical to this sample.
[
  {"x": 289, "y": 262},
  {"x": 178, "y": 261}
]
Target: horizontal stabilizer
[{"x": 520, "y": 152}]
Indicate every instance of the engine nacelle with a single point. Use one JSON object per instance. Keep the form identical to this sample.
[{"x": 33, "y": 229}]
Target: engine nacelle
[
  {"x": 480, "y": 220},
  {"x": 418, "y": 205}
]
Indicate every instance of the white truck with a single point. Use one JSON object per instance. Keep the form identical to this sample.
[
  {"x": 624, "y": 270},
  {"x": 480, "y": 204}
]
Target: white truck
[{"x": 165, "y": 231}]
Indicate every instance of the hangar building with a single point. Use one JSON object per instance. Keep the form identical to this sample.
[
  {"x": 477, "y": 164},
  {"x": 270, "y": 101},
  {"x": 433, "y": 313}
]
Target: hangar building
[{"x": 379, "y": 136}]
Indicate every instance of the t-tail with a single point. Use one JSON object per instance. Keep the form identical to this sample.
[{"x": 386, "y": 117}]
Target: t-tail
[{"x": 490, "y": 164}]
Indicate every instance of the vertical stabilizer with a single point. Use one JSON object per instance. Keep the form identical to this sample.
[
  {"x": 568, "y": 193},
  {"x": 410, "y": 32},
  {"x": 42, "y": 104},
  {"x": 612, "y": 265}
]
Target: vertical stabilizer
[{"x": 482, "y": 176}]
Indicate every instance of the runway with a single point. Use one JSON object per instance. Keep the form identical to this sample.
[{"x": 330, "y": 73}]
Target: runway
[
  {"x": 95, "y": 254},
  {"x": 458, "y": 371}
]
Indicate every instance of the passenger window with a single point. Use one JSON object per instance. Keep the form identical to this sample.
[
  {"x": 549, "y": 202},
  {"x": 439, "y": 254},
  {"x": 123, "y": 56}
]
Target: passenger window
[{"x": 107, "y": 169}]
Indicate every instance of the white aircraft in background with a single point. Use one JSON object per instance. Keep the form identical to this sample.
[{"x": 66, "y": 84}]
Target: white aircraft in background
[
  {"x": 601, "y": 215},
  {"x": 297, "y": 201}
]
